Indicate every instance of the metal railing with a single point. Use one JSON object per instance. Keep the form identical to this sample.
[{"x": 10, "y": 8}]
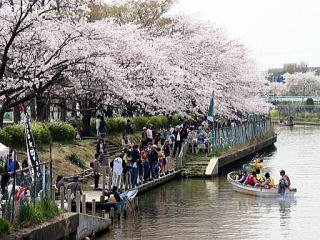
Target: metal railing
[
  {"x": 234, "y": 135},
  {"x": 225, "y": 137},
  {"x": 21, "y": 187}
]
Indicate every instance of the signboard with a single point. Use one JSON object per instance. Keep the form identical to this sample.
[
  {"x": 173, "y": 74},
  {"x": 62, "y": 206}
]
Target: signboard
[{"x": 8, "y": 117}]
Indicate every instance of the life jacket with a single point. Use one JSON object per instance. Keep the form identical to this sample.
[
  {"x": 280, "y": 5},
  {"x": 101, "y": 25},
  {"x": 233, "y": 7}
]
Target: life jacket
[
  {"x": 288, "y": 180},
  {"x": 260, "y": 178},
  {"x": 249, "y": 180},
  {"x": 112, "y": 198},
  {"x": 272, "y": 183}
]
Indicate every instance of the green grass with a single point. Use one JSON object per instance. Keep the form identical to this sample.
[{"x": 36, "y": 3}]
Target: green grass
[
  {"x": 35, "y": 214},
  {"x": 4, "y": 226}
]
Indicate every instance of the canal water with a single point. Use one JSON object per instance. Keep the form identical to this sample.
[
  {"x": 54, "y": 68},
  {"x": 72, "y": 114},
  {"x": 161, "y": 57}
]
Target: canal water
[{"x": 210, "y": 209}]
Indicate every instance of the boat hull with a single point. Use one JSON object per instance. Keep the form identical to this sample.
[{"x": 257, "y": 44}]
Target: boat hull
[{"x": 258, "y": 191}]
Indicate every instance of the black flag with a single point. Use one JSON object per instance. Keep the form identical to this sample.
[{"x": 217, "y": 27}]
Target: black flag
[{"x": 32, "y": 153}]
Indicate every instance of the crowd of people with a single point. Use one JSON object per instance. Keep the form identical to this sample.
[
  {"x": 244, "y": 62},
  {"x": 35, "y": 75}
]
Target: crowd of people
[{"x": 153, "y": 154}]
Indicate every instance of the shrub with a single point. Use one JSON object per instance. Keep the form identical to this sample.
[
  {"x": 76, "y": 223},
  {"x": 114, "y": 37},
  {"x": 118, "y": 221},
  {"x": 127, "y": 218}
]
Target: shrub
[
  {"x": 175, "y": 119},
  {"x": 48, "y": 208},
  {"x": 117, "y": 124},
  {"x": 30, "y": 214},
  {"x": 274, "y": 113},
  {"x": 93, "y": 127},
  {"x": 42, "y": 210},
  {"x": 75, "y": 159},
  {"x": 4, "y": 226},
  {"x": 140, "y": 122},
  {"x": 61, "y": 131},
  {"x": 309, "y": 101},
  {"x": 159, "y": 121},
  {"x": 13, "y": 135},
  {"x": 41, "y": 133},
  {"x": 4, "y": 137}
]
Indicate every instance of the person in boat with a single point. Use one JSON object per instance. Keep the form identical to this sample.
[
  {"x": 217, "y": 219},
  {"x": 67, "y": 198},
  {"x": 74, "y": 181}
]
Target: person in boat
[
  {"x": 243, "y": 177},
  {"x": 239, "y": 174},
  {"x": 260, "y": 176},
  {"x": 284, "y": 182},
  {"x": 114, "y": 195},
  {"x": 268, "y": 181},
  {"x": 252, "y": 179},
  {"x": 285, "y": 178}
]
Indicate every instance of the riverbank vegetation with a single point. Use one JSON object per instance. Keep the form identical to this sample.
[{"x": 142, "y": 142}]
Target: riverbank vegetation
[
  {"x": 39, "y": 212},
  {"x": 30, "y": 215},
  {"x": 5, "y": 226}
]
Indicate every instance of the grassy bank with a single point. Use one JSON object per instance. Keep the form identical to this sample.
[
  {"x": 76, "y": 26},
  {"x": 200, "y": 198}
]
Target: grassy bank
[{"x": 85, "y": 149}]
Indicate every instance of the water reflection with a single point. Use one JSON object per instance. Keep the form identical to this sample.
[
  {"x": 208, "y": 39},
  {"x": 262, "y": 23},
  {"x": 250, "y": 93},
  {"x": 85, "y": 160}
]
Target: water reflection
[{"x": 210, "y": 209}]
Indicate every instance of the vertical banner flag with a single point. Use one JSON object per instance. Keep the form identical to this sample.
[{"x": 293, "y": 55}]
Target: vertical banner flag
[
  {"x": 33, "y": 157},
  {"x": 210, "y": 115}
]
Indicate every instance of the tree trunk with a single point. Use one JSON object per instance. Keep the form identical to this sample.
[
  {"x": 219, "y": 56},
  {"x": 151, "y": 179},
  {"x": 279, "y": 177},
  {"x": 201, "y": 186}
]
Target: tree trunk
[
  {"x": 33, "y": 109},
  {"x": 1, "y": 118},
  {"x": 86, "y": 123},
  {"x": 74, "y": 110},
  {"x": 109, "y": 112},
  {"x": 42, "y": 109},
  {"x": 16, "y": 115},
  {"x": 130, "y": 109},
  {"x": 63, "y": 115}
]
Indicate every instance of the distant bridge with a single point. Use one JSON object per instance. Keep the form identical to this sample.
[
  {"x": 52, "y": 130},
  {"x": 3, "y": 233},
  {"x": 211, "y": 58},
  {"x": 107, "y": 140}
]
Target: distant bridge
[{"x": 279, "y": 99}]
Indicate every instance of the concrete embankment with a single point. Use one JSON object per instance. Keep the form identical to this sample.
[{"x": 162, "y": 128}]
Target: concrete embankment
[
  {"x": 218, "y": 162},
  {"x": 71, "y": 226},
  {"x": 300, "y": 123},
  {"x": 157, "y": 182}
]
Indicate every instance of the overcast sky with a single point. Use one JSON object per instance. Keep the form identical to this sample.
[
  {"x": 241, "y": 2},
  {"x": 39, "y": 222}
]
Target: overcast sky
[{"x": 276, "y": 31}]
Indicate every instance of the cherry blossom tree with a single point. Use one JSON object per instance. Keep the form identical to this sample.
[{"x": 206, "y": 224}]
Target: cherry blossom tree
[
  {"x": 34, "y": 39},
  {"x": 52, "y": 50},
  {"x": 211, "y": 63},
  {"x": 296, "y": 84}
]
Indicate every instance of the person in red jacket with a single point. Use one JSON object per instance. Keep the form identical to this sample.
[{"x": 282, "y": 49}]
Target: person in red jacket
[
  {"x": 252, "y": 179},
  {"x": 285, "y": 178}
]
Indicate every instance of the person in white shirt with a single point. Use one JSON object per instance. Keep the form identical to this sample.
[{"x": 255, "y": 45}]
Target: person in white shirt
[
  {"x": 98, "y": 124},
  {"x": 149, "y": 135},
  {"x": 171, "y": 129},
  {"x": 118, "y": 166},
  {"x": 178, "y": 140}
]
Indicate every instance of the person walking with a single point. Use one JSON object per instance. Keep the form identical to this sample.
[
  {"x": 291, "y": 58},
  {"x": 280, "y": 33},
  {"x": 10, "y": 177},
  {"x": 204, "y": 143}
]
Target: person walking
[
  {"x": 102, "y": 127},
  {"x": 100, "y": 145},
  {"x": 177, "y": 140}
]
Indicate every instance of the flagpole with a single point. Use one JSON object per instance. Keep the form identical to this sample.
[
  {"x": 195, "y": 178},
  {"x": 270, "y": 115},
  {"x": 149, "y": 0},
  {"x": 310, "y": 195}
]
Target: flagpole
[{"x": 210, "y": 117}]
